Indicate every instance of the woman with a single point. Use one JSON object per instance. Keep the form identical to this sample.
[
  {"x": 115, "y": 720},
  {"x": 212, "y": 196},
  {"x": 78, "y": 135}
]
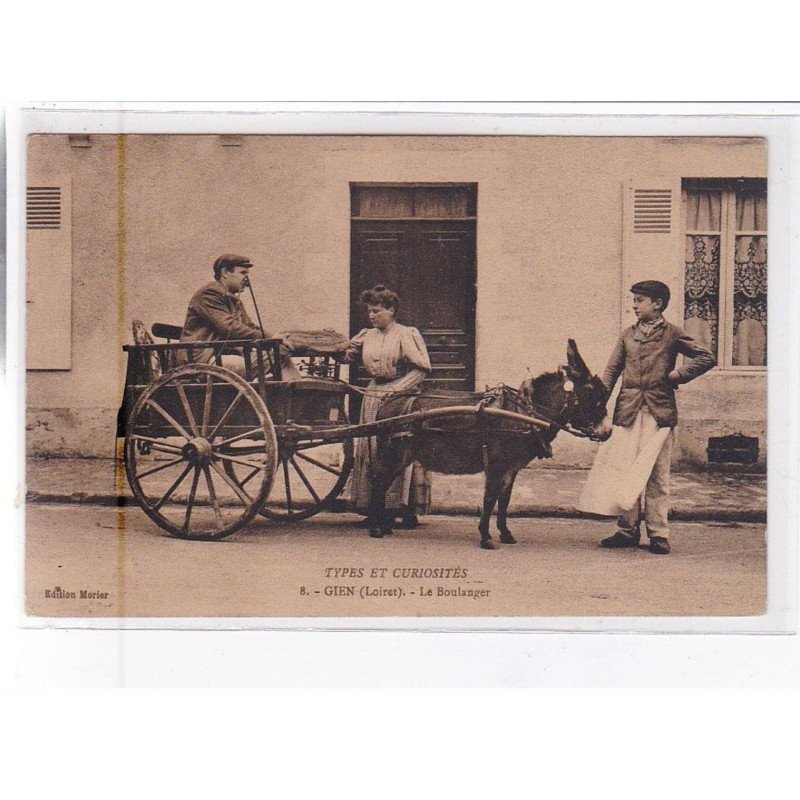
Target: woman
[{"x": 396, "y": 359}]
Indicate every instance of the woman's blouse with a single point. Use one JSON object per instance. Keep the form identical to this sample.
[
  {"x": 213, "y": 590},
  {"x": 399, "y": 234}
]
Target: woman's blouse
[{"x": 383, "y": 351}]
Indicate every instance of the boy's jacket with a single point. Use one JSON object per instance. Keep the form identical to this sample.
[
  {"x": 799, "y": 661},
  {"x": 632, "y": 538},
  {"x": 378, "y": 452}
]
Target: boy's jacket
[{"x": 645, "y": 361}]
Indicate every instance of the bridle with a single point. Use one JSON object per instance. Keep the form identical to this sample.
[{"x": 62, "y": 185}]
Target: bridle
[{"x": 570, "y": 405}]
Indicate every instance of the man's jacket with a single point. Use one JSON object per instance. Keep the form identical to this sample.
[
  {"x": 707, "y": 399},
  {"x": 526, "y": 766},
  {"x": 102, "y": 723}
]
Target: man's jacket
[
  {"x": 645, "y": 360},
  {"x": 214, "y": 315}
]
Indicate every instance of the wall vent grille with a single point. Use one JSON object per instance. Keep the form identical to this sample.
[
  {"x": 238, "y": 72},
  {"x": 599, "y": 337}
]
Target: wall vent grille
[
  {"x": 652, "y": 210},
  {"x": 43, "y": 207}
]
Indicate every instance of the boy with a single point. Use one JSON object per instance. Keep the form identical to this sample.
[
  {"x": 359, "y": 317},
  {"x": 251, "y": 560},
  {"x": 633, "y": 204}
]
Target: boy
[{"x": 630, "y": 475}]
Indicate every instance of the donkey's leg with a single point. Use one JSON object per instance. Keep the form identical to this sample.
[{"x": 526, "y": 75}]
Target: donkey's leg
[
  {"x": 379, "y": 525},
  {"x": 377, "y": 488},
  {"x": 491, "y": 491},
  {"x": 392, "y": 460},
  {"x": 506, "y": 487},
  {"x": 377, "y": 507}
]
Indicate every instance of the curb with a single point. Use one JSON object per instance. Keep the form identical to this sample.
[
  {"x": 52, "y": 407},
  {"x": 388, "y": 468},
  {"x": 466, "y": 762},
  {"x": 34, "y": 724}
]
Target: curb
[{"x": 532, "y": 511}]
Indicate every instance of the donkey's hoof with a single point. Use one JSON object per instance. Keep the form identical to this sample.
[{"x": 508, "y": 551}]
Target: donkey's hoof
[
  {"x": 408, "y": 522},
  {"x": 507, "y": 538},
  {"x": 386, "y": 530},
  {"x": 375, "y": 533},
  {"x": 488, "y": 544}
]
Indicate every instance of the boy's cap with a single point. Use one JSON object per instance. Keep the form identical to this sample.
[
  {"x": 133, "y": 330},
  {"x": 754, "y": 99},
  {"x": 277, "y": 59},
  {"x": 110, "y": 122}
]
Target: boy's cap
[
  {"x": 655, "y": 290},
  {"x": 230, "y": 260}
]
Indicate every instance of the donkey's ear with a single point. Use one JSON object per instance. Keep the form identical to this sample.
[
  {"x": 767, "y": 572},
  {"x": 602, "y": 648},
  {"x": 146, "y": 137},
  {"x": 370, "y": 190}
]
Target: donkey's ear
[{"x": 576, "y": 363}]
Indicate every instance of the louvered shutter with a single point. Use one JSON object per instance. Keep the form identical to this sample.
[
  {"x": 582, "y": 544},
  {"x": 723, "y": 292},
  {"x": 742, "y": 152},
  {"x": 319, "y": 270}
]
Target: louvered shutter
[
  {"x": 48, "y": 219},
  {"x": 652, "y": 241}
]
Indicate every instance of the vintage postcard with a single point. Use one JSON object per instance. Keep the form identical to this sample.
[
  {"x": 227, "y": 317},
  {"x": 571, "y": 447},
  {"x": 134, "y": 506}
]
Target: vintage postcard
[{"x": 495, "y": 373}]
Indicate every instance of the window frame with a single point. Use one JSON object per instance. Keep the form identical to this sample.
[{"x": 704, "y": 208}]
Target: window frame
[
  {"x": 356, "y": 187},
  {"x": 727, "y": 251}
]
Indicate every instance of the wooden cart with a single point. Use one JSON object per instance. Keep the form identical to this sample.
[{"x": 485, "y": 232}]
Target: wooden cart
[
  {"x": 206, "y": 449},
  {"x": 204, "y": 445}
]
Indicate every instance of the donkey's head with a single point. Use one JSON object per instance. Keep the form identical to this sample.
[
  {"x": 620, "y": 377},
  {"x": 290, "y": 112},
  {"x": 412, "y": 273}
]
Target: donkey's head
[
  {"x": 571, "y": 397},
  {"x": 586, "y": 397}
]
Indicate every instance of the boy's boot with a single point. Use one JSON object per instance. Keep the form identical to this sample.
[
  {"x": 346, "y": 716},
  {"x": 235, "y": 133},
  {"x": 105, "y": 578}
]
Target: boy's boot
[
  {"x": 659, "y": 545},
  {"x": 622, "y": 538}
]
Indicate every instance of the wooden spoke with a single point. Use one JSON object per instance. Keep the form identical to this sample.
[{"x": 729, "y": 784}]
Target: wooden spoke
[
  {"x": 190, "y": 503},
  {"x": 305, "y": 481},
  {"x": 251, "y": 464},
  {"x": 240, "y": 493},
  {"x": 162, "y": 445},
  {"x": 225, "y": 416},
  {"x": 247, "y": 479},
  {"x": 213, "y": 496},
  {"x": 172, "y": 421},
  {"x": 159, "y": 468},
  {"x": 319, "y": 464},
  {"x": 319, "y": 489},
  {"x": 288, "y": 488},
  {"x": 172, "y": 488},
  {"x": 187, "y": 409},
  {"x": 238, "y": 437},
  {"x": 168, "y": 450},
  {"x": 251, "y": 475},
  {"x": 206, "y": 407}
]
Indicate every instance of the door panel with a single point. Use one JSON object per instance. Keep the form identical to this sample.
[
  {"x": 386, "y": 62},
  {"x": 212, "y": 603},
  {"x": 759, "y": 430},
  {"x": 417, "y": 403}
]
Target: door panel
[
  {"x": 378, "y": 259},
  {"x": 443, "y": 262},
  {"x": 431, "y": 265}
]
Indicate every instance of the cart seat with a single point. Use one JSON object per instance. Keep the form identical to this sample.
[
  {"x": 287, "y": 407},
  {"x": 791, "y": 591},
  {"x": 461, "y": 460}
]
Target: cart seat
[{"x": 168, "y": 332}]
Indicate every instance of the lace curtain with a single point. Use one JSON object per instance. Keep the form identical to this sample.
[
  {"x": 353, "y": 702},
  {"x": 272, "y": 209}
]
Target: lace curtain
[
  {"x": 745, "y": 279},
  {"x": 701, "y": 289},
  {"x": 750, "y": 301}
]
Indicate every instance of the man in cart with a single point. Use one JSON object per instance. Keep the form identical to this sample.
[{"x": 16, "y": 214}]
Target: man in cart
[{"x": 217, "y": 314}]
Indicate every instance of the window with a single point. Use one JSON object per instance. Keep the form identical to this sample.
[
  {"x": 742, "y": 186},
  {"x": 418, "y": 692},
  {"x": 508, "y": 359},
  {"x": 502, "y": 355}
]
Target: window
[
  {"x": 414, "y": 201},
  {"x": 725, "y": 287}
]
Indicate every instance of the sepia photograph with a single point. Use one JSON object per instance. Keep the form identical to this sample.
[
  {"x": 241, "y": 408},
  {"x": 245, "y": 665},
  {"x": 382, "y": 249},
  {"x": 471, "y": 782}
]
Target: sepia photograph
[
  {"x": 376, "y": 376},
  {"x": 397, "y": 394}
]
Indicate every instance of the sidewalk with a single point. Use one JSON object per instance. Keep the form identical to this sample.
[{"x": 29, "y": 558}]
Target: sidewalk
[{"x": 538, "y": 492}]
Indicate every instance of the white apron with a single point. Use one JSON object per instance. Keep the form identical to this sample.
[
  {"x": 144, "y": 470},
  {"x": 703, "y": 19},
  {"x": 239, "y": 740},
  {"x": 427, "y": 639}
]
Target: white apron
[{"x": 623, "y": 466}]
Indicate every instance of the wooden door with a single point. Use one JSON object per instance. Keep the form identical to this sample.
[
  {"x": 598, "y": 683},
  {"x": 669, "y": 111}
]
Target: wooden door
[{"x": 430, "y": 263}]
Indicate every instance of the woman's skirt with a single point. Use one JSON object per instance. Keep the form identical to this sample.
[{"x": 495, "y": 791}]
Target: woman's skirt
[
  {"x": 364, "y": 448},
  {"x": 623, "y": 466}
]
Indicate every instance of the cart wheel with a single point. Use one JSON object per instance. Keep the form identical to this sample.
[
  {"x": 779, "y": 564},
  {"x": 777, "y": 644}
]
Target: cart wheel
[
  {"x": 182, "y": 433},
  {"x": 308, "y": 479}
]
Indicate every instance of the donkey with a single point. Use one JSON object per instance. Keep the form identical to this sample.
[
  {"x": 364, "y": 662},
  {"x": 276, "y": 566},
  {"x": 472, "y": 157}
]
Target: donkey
[{"x": 571, "y": 398}]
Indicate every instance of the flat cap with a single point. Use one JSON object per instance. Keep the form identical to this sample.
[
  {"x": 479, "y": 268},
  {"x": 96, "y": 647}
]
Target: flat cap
[
  {"x": 655, "y": 290},
  {"x": 231, "y": 260}
]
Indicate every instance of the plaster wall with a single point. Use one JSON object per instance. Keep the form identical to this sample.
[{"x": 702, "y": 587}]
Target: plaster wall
[{"x": 149, "y": 221}]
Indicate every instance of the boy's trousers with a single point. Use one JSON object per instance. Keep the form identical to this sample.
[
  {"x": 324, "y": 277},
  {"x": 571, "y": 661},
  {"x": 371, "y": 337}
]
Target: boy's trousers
[{"x": 653, "y": 505}]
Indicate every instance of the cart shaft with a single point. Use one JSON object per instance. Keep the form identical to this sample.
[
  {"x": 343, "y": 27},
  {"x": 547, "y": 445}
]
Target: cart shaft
[{"x": 405, "y": 421}]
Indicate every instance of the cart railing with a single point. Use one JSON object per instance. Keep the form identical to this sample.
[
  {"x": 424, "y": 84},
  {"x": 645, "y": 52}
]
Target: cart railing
[{"x": 262, "y": 358}]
